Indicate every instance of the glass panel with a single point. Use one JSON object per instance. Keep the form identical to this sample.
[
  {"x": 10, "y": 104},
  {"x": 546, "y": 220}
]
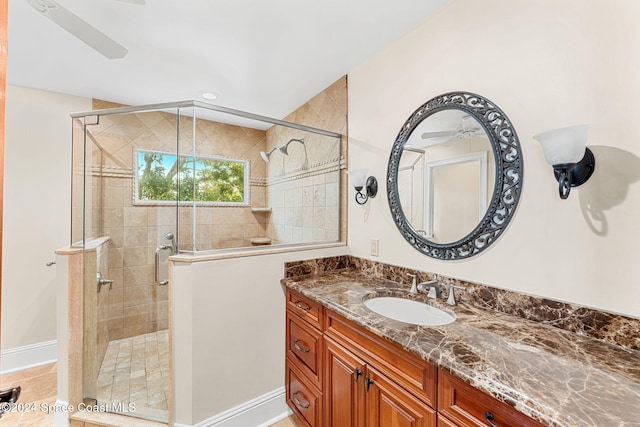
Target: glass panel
[
  {"x": 282, "y": 165},
  {"x": 126, "y": 322},
  {"x": 186, "y": 178},
  {"x": 302, "y": 186},
  {"x": 77, "y": 182}
]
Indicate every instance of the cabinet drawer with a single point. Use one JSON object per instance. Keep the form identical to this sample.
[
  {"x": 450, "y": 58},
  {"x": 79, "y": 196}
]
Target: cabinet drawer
[
  {"x": 304, "y": 307},
  {"x": 414, "y": 374},
  {"x": 304, "y": 345},
  {"x": 303, "y": 397},
  {"x": 469, "y": 407}
]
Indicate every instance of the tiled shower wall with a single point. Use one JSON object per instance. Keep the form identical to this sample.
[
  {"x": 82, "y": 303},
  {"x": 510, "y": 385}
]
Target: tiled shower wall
[
  {"x": 305, "y": 200},
  {"x": 137, "y": 305}
]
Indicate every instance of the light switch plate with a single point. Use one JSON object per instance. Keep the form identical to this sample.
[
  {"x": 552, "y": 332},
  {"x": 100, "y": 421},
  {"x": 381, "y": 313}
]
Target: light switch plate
[{"x": 375, "y": 246}]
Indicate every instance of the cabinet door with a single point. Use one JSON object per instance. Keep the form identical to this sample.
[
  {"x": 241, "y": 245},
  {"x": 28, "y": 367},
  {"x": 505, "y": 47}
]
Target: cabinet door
[
  {"x": 344, "y": 387},
  {"x": 387, "y": 405}
]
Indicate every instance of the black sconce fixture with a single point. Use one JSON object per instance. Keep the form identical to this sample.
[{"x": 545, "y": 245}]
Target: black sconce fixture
[
  {"x": 360, "y": 181},
  {"x": 566, "y": 150}
]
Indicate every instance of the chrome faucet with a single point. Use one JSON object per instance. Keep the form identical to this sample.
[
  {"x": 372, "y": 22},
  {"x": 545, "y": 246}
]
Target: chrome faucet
[
  {"x": 414, "y": 289},
  {"x": 452, "y": 297},
  {"x": 434, "y": 285}
]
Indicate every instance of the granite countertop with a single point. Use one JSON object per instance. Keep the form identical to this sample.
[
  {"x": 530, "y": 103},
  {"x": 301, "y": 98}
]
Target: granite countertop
[{"x": 554, "y": 376}]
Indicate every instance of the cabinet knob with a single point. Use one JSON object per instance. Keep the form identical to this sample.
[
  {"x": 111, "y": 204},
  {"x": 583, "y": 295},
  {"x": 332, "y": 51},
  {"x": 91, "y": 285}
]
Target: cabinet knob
[
  {"x": 357, "y": 372},
  {"x": 489, "y": 416}
]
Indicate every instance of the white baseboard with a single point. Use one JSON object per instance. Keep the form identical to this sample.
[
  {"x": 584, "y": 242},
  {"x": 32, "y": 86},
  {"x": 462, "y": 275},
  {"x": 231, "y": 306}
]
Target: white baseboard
[
  {"x": 259, "y": 412},
  {"x": 28, "y": 356}
]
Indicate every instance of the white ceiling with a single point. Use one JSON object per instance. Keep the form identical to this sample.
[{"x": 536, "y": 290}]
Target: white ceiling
[{"x": 263, "y": 56}]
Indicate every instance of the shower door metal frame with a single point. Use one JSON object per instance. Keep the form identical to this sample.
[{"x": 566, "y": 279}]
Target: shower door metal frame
[{"x": 206, "y": 106}]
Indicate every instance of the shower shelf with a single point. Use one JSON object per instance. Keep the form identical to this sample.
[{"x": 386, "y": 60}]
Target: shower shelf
[{"x": 261, "y": 210}]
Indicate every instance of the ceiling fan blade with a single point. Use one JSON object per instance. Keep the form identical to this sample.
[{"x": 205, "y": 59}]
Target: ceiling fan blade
[
  {"x": 80, "y": 28},
  {"x": 140, "y": 2},
  {"x": 428, "y": 135}
]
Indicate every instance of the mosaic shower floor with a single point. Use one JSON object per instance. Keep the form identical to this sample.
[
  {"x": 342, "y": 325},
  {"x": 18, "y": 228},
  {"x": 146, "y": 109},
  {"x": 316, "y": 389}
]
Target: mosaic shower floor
[{"x": 136, "y": 371}]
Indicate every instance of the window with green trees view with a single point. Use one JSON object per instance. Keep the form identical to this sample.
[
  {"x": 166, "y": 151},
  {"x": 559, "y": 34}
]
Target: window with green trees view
[{"x": 164, "y": 177}]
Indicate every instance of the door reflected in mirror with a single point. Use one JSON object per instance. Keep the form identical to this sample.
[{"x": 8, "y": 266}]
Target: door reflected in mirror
[{"x": 446, "y": 176}]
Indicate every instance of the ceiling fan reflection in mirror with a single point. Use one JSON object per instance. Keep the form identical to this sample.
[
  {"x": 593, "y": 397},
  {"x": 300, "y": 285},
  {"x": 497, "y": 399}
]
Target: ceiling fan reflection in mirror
[
  {"x": 81, "y": 29},
  {"x": 467, "y": 128}
]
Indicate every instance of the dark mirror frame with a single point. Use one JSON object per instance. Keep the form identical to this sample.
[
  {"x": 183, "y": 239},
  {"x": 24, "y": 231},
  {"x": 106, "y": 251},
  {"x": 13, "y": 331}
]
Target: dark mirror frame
[{"x": 508, "y": 180}]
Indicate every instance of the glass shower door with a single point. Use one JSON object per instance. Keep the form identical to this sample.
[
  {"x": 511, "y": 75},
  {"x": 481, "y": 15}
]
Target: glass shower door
[{"x": 130, "y": 206}]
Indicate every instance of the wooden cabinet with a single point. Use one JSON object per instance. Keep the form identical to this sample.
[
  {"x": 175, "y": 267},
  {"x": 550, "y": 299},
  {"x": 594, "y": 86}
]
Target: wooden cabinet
[
  {"x": 466, "y": 406},
  {"x": 370, "y": 382},
  {"x": 344, "y": 387},
  {"x": 358, "y": 395},
  {"x": 443, "y": 422},
  {"x": 339, "y": 374},
  {"x": 413, "y": 374},
  {"x": 304, "y": 347},
  {"x": 304, "y": 361},
  {"x": 389, "y": 405},
  {"x": 305, "y": 308},
  {"x": 302, "y": 396}
]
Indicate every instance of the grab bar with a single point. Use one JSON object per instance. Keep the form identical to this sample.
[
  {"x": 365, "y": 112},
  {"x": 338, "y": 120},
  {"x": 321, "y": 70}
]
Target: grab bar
[{"x": 158, "y": 250}]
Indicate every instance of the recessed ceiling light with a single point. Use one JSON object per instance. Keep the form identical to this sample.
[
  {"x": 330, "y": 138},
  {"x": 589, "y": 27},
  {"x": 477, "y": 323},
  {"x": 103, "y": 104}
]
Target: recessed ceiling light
[{"x": 209, "y": 95}]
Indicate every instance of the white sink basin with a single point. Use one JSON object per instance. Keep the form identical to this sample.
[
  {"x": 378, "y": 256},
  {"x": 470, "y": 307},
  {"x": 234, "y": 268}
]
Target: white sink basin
[{"x": 408, "y": 311}]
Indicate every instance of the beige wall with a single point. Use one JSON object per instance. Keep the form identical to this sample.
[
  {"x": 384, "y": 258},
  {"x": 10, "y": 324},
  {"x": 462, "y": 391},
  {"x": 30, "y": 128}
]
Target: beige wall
[
  {"x": 36, "y": 213},
  {"x": 547, "y": 64},
  {"x": 229, "y": 335}
]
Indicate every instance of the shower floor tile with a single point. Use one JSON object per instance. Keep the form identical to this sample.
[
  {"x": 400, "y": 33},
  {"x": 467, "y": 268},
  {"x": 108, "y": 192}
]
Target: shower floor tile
[{"x": 135, "y": 371}]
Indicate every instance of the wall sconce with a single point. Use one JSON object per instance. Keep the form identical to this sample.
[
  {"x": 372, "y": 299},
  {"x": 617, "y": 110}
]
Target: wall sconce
[
  {"x": 566, "y": 150},
  {"x": 359, "y": 181}
]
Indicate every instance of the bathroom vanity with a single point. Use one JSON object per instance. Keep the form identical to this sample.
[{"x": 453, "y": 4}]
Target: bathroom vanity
[
  {"x": 340, "y": 374},
  {"x": 348, "y": 366}
]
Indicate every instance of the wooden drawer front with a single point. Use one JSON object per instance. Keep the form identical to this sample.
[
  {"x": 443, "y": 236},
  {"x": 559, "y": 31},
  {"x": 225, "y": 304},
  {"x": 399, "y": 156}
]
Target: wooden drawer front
[
  {"x": 304, "y": 307},
  {"x": 302, "y": 397},
  {"x": 304, "y": 343},
  {"x": 468, "y": 407},
  {"x": 411, "y": 372}
]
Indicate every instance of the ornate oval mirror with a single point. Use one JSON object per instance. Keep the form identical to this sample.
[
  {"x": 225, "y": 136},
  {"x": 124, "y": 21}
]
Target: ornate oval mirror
[{"x": 454, "y": 176}]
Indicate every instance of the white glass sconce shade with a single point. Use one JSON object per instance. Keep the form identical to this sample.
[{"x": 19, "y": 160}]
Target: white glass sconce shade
[
  {"x": 358, "y": 178},
  {"x": 565, "y": 145},
  {"x": 360, "y": 181},
  {"x": 566, "y": 150}
]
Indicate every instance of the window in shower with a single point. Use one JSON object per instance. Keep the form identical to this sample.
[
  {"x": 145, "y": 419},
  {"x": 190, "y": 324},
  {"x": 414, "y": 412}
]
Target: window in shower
[{"x": 163, "y": 178}]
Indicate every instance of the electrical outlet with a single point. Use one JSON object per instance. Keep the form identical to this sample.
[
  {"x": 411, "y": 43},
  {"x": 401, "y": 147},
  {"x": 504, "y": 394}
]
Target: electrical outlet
[{"x": 375, "y": 245}]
